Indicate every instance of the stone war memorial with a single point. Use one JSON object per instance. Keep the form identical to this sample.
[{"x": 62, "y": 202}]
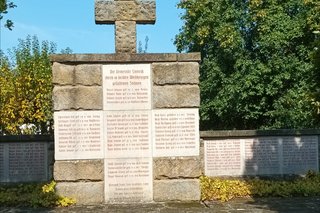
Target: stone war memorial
[{"x": 127, "y": 124}]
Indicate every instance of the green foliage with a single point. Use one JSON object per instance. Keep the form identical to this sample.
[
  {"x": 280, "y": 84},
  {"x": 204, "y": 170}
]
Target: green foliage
[
  {"x": 224, "y": 189},
  {"x": 67, "y": 50},
  {"x": 4, "y": 6},
  {"x": 26, "y": 88},
  {"x": 33, "y": 195},
  {"x": 256, "y": 70},
  {"x": 314, "y": 22},
  {"x": 316, "y": 61}
]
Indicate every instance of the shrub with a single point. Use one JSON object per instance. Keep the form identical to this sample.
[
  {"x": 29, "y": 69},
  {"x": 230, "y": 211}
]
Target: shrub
[
  {"x": 226, "y": 189},
  {"x": 32, "y": 195},
  {"x": 25, "y": 81}
]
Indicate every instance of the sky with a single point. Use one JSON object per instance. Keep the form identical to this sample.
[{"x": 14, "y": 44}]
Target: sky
[{"x": 71, "y": 23}]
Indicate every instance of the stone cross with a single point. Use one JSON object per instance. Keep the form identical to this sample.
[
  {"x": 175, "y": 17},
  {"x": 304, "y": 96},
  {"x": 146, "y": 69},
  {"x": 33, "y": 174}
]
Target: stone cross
[{"x": 125, "y": 14}]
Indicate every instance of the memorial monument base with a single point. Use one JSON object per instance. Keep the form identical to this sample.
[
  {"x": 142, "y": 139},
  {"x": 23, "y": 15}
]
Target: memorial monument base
[{"x": 127, "y": 127}]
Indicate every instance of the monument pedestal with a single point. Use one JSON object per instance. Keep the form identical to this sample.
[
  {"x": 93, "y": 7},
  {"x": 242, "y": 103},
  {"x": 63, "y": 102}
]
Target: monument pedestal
[{"x": 127, "y": 127}]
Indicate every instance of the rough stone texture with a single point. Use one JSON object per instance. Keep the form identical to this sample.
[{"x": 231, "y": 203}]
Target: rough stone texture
[
  {"x": 125, "y": 15},
  {"x": 175, "y": 73},
  {"x": 125, "y": 58},
  {"x": 175, "y": 168},
  {"x": 153, "y": 57},
  {"x": 125, "y": 36},
  {"x": 176, "y": 190},
  {"x": 77, "y": 97},
  {"x": 84, "y": 193},
  {"x": 175, "y": 78},
  {"x": 259, "y": 133},
  {"x": 88, "y": 75},
  {"x": 109, "y": 11},
  {"x": 189, "y": 56},
  {"x": 62, "y": 74},
  {"x": 176, "y": 96},
  {"x": 105, "y": 12},
  {"x": 78, "y": 170}
]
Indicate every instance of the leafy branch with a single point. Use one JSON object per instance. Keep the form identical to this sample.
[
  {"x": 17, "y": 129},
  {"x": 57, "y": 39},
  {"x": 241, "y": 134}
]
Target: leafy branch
[{"x": 4, "y": 7}]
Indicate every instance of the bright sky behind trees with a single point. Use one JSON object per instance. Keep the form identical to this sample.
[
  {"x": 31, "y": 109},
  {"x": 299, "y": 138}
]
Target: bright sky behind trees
[{"x": 70, "y": 23}]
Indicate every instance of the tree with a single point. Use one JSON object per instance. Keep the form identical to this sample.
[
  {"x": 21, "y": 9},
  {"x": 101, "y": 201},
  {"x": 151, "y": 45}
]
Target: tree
[
  {"x": 140, "y": 49},
  {"x": 314, "y": 22},
  {"x": 316, "y": 61},
  {"x": 256, "y": 71},
  {"x": 4, "y": 6},
  {"x": 26, "y": 88}
]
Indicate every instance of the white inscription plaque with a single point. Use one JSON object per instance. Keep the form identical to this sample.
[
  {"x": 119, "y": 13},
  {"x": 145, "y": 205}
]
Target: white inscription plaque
[
  {"x": 128, "y": 134},
  {"x": 261, "y": 156},
  {"x": 127, "y": 87},
  {"x": 128, "y": 180},
  {"x": 223, "y": 157},
  {"x": 78, "y": 135},
  {"x": 175, "y": 132}
]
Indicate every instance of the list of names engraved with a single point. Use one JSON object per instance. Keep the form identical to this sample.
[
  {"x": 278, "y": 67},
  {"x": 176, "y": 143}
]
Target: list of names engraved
[
  {"x": 79, "y": 135},
  {"x": 128, "y": 134},
  {"x": 262, "y": 156},
  {"x": 175, "y": 132},
  {"x": 128, "y": 180},
  {"x": 27, "y": 162},
  {"x": 127, "y": 87},
  {"x": 223, "y": 157},
  {"x": 2, "y": 150},
  {"x": 300, "y": 154}
]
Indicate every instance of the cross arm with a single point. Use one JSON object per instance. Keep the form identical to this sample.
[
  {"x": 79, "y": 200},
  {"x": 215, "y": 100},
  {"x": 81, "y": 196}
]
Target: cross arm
[{"x": 139, "y": 11}]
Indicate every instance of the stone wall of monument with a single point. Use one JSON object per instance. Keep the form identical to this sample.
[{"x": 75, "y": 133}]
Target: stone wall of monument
[
  {"x": 127, "y": 127},
  {"x": 260, "y": 153}
]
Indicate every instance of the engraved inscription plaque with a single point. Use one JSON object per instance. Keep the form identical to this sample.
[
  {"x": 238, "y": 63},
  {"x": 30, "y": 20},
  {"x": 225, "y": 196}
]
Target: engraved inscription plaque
[
  {"x": 300, "y": 154},
  {"x": 128, "y": 180},
  {"x": 2, "y": 162},
  {"x": 175, "y": 132},
  {"x": 223, "y": 157},
  {"x": 128, "y": 134},
  {"x": 262, "y": 156},
  {"x": 24, "y": 162},
  {"x": 127, "y": 87},
  {"x": 27, "y": 162},
  {"x": 78, "y": 135}
]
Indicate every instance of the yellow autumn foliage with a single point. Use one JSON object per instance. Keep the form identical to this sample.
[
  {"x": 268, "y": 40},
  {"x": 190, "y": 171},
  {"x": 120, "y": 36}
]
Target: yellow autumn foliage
[{"x": 26, "y": 89}]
